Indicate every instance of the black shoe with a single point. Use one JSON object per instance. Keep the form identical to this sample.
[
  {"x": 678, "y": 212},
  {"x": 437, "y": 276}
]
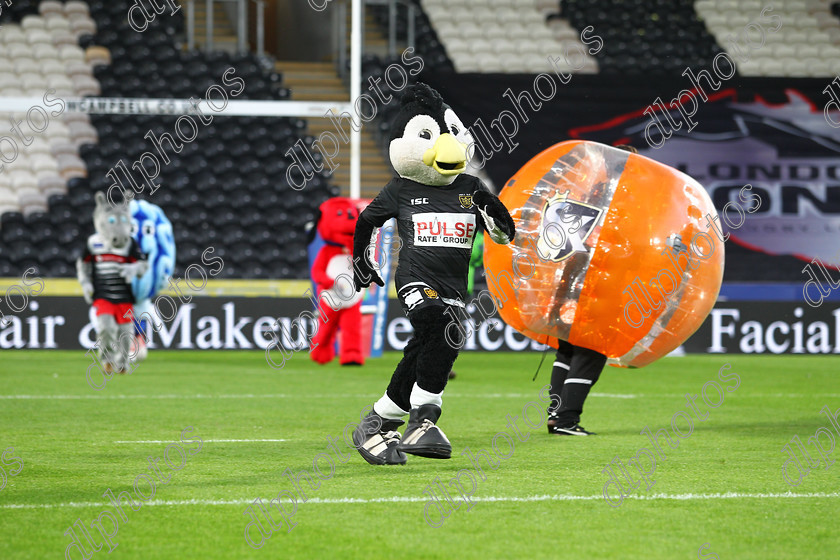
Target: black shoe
[
  {"x": 568, "y": 430},
  {"x": 376, "y": 438},
  {"x": 422, "y": 437}
]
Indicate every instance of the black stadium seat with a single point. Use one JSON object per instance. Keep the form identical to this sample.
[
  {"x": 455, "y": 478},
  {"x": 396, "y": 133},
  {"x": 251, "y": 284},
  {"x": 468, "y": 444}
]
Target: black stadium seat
[
  {"x": 645, "y": 37},
  {"x": 227, "y": 188}
]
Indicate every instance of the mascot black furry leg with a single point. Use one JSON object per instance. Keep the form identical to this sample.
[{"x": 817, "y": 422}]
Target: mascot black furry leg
[{"x": 439, "y": 210}]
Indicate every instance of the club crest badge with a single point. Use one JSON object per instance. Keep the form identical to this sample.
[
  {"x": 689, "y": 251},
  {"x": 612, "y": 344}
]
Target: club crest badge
[
  {"x": 465, "y": 200},
  {"x": 565, "y": 226},
  {"x": 430, "y": 293}
]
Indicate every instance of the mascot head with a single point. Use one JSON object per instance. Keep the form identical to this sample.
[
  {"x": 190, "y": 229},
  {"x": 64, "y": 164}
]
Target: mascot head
[
  {"x": 153, "y": 233},
  {"x": 428, "y": 140},
  {"x": 112, "y": 222},
  {"x": 337, "y": 221}
]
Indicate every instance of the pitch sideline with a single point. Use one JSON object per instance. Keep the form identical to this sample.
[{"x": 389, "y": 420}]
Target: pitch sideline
[{"x": 409, "y": 499}]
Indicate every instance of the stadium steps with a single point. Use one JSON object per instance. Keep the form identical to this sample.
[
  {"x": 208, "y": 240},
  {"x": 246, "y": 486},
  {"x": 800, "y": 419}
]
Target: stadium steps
[
  {"x": 319, "y": 81},
  {"x": 224, "y": 35},
  {"x": 375, "y": 41},
  {"x": 312, "y": 81},
  {"x": 375, "y": 171}
]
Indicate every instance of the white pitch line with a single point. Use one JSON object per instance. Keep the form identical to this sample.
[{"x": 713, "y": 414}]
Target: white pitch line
[
  {"x": 124, "y": 397},
  {"x": 204, "y": 441},
  {"x": 283, "y": 396},
  {"x": 415, "y": 499},
  {"x": 375, "y": 395}
]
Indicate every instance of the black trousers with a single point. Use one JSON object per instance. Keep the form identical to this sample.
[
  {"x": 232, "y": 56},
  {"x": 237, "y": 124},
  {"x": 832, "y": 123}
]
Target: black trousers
[
  {"x": 427, "y": 358},
  {"x": 575, "y": 371}
]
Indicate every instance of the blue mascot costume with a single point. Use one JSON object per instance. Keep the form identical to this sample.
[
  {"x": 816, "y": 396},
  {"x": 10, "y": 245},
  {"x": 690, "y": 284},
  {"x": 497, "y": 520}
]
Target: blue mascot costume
[{"x": 153, "y": 233}]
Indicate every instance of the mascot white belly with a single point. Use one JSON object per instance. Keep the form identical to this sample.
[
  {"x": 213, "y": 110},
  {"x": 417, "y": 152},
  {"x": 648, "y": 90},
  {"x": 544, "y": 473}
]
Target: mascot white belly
[{"x": 342, "y": 295}]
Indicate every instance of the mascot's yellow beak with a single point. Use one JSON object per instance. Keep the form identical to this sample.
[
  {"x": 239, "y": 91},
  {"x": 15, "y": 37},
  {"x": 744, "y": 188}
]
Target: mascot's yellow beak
[{"x": 448, "y": 156}]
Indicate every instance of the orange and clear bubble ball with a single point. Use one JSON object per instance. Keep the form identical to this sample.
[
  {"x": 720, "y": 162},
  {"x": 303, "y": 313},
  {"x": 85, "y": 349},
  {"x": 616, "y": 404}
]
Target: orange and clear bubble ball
[{"x": 613, "y": 251}]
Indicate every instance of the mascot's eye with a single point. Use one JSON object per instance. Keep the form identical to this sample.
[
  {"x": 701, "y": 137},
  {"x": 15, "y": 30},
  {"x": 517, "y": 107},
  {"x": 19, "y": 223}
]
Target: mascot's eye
[
  {"x": 341, "y": 212},
  {"x": 112, "y": 220},
  {"x": 455, "y": 130},
  {"x": 425, "y": 134},
  {"x": 148, "y": 229}
]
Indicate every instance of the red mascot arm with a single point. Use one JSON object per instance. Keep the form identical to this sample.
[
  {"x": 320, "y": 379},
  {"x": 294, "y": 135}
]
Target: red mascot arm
[{"x": 319, "y": 267}]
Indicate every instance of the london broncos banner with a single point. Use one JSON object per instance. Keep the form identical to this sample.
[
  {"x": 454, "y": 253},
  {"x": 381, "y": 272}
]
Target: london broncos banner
[{"x": 782, "y": 137}]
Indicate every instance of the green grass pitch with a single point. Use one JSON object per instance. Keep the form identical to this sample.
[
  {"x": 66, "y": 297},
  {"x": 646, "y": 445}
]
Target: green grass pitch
[{"x": 722, "y": 487}]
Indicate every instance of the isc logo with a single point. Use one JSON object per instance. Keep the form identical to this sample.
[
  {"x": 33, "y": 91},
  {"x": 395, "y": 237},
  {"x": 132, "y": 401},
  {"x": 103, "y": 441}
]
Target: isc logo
[{"x": 416, "y": 201}]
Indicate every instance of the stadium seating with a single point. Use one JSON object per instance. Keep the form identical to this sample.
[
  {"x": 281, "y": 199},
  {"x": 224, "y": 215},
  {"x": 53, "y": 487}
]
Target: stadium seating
[
  {"x": 640, "y": 36},
  {"x": 503, "y": 36},
  {"x": 40, "y": 59},
  {"x": 805, "y": 44},
  {"x": 645, "y": 37},
  {"x": 227, "y": 188}
]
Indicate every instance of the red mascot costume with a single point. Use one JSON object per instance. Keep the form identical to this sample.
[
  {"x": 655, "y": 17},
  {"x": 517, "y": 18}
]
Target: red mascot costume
[{"x": 340, "y": 305}]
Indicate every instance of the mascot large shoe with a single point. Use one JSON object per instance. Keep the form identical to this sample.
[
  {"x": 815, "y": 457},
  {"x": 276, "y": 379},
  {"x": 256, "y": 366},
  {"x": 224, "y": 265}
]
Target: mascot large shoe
[
  {"x": 377, "y": 440},
  {"x": 423, "y": 437},
  {"x": 439, "y": 210}
]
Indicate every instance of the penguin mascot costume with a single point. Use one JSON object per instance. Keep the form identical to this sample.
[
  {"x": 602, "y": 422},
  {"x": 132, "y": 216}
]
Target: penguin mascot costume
[{"x": 439, "y": 210}]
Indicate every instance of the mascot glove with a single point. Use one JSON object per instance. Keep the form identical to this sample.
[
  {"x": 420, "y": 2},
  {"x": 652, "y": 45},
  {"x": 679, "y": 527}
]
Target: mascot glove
[
  {"x": 364, "y": 275},
  {"x": 493, "y": 212},
  {"x": 496, "y": 233},
  {"x": 130, "y": 271},
  {"x": 87, "y": 291}
]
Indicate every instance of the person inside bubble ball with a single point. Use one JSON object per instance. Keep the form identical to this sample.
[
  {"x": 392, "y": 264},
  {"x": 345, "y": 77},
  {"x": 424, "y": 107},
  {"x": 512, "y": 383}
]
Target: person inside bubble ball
[{"x": 576, "y": 370}]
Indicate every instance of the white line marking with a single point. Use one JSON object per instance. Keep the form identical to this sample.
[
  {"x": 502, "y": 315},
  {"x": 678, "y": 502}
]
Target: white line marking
[
  {"x": 376, "y": 395},
  {"x": 124, "y": 397},
  {"x": 413, "y": 499},
  {"x": 284, "y": 396},
  {"x": 204, "y": 441}
]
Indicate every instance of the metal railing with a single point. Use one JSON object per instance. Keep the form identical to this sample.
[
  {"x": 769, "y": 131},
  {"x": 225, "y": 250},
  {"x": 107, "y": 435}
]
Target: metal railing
[
  {"x": 411, "y": 18},
  {"x": 241, "y": 24},
  {"x": 339, "y": 26},
  {"x": 340, "y": 29}
]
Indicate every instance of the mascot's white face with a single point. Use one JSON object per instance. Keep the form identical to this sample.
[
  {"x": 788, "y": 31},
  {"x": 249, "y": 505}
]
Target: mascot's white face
[
  {"x": 429, "y": 155},
  {"x": 112, "y": 222}
]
